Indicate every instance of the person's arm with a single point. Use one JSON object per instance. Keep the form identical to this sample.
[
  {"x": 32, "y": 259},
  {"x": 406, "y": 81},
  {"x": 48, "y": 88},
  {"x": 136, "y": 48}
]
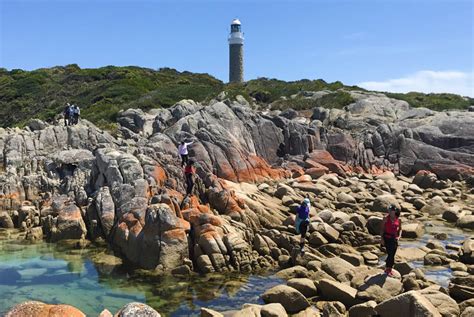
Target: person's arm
[
  {"x": 399, "y": 230},
  {"x": 189, "y": 143}
]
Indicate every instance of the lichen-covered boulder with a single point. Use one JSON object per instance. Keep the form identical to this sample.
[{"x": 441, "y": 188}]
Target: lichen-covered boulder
[{"x": 39, "y": 309}]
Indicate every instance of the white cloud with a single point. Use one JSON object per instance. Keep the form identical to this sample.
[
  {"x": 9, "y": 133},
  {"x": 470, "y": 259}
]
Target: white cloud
[{"x": 427, "y": 81}]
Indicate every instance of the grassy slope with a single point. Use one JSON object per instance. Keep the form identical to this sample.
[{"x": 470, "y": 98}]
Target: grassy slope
[{"x": 103, "y": 92}]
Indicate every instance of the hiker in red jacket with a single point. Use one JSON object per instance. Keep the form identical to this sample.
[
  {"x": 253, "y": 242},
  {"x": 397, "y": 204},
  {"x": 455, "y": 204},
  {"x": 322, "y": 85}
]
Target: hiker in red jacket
[
  {"x": 391, "y": 232},
  {"x": 189, "y": 171}
]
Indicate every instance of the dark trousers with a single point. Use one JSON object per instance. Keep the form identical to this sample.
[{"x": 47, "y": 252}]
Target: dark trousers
[
  {"x": 189, "y": 183},
  {"x": 184, "y": 159},
  {"x": 304, "y": 228},
  {"x": 391, "y": 244}
]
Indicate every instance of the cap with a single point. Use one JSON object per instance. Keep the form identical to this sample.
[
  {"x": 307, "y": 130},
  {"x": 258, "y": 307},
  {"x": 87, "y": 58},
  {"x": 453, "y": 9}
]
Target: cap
[{"x": 306, "y": 201}]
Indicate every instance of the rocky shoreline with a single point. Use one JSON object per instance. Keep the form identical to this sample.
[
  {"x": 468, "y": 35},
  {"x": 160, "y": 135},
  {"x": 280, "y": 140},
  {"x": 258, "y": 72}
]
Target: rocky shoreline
[{"x": 82, "y": 183}]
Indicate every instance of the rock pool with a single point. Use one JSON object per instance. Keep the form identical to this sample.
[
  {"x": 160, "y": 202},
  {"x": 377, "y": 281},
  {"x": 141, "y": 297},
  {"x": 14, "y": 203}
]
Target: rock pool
[{"x": 91, "y": 280}]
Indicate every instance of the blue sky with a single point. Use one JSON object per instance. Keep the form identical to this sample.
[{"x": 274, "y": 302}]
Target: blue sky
[{"x": 393, "y": 45}]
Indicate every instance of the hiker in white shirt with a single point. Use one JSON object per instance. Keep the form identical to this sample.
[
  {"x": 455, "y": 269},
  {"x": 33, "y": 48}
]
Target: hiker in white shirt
[{"x": 183, "y": 152}]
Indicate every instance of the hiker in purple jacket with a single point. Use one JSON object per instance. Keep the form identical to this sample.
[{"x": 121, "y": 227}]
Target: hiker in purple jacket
[{"x": 302, "y": 221}]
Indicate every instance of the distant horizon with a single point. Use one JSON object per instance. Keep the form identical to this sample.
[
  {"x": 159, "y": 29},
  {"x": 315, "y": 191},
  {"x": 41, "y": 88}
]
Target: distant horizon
[{"x": 395, "y": 46}]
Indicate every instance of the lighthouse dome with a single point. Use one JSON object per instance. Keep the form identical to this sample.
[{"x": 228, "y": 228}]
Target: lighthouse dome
[{"x": 235, "y": 22}]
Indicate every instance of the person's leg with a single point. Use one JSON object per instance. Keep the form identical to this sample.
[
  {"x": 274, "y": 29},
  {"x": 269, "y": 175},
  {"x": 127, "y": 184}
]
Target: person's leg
[
  {"x": 191, "y": 184},
  {"x": 390, "y": 245},
  {"x": 303, "y": 230},
  {"x": 187, "y": 184},
  {"x": 184, "y": 159},
  {"x": 394, "y": 251}
]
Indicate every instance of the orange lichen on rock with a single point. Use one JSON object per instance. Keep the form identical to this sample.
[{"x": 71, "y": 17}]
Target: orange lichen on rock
[
  {"x": 225, "y": 201},
  {"x": 131, "y": 223},
  {"x": 294, "y": 169},
  {"x": 325, "y": 158},
  {"x": 303, "y": 179},
  {"x": 316, "y": 172},
  {"x": 39, "y": 309},
  {"x": 262, "y": 170},
  {"x": 12, "y": 195},
  {"x": 70, "y": 212},
  {"x": 185, "y": 225},
  {"x": 10, "y": 201},
  {"x": 174, "y": 234},
  {"x": 175, "y": 193},
  {"x": 188, "y": 213},
  {"x": 251, "y": 168},
  {"x": 159, "y": 174},
  {"x": 204, "y": 209}
]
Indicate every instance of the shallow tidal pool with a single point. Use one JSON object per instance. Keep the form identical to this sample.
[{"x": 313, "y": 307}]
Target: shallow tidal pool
[{"x": 91, "y": 279}]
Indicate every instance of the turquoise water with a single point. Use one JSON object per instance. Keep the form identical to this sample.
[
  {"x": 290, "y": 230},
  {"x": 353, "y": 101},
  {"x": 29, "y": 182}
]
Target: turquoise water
[
  {"x": 92, "y": 279},
  {"x": 438, "y": 274}
]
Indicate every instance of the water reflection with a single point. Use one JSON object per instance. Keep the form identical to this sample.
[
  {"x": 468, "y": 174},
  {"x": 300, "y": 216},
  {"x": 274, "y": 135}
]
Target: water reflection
[
  {"x": 92, "y": 279},
  {"x": 438, "y": 274}
]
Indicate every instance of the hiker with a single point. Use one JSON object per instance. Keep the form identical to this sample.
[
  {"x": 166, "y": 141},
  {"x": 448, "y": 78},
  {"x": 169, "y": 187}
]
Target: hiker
[
  {"x": 66, "y": 113},
  {"x": 189, "y": 176},
  {"x": 76, "y": 112},
  {"x": 302, "y": 221},
  {"x": 391, "y": 232},
  {"x": 183, "y": 152}
]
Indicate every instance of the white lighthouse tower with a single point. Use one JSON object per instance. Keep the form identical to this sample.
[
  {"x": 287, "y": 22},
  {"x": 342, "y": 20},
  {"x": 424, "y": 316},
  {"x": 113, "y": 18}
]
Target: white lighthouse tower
[{"x": 236, "y": 52}]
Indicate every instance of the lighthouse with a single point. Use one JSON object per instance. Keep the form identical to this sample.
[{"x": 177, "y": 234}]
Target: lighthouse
[{"x": 236, "y": 52}]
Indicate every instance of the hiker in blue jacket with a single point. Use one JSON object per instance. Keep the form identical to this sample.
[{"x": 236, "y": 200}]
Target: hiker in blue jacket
[{"x": 302, "y": 221}]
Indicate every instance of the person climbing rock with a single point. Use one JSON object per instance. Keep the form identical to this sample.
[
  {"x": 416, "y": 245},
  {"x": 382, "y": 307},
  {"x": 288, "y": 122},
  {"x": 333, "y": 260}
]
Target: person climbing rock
[
  {"x": 189, "y": 176},
  {"x": 302, "y": 221},
  {"x": 183, "y": 152},
  {"x": 391, "y": 232},
  {"x": 67, "y": 114},
  {"x": 76, "y": 112}
]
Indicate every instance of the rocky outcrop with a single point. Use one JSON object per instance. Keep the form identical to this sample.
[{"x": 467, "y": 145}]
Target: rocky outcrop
[
  {"x": 80, "y": 182},
  {"x": 137, "y": 310},
  {"x": 292, "y": 300},
  {"x": 407, "y": 304},
  {"x": 157, "y": 238}
]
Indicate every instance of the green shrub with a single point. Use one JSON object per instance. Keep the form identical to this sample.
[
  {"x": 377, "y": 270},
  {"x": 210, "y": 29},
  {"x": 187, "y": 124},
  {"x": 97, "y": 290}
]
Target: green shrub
[
  {"x": 338, "y": 99},
  {"x": 436, "y": 102},
  {"x": 103, "y": 92}
]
